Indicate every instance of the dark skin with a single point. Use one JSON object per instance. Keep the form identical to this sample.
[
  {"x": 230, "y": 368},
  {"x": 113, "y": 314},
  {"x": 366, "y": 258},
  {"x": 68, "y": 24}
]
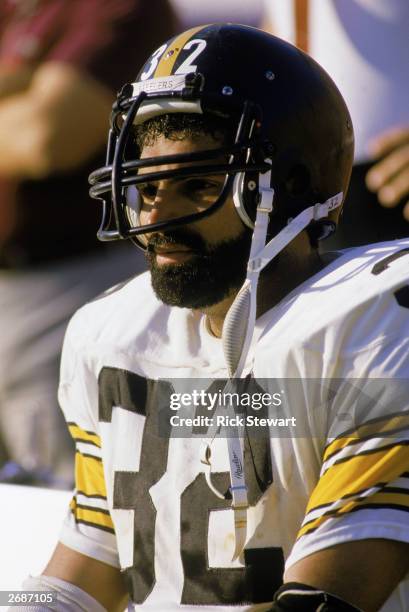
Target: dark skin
[
  {"x": 352, "y": 570},
  {"x": 363, "y": 573},
  {"x": 100, "y": 580}
]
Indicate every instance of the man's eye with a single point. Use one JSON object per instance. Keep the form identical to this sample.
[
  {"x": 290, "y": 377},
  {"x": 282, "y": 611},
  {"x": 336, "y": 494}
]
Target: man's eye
[
  {"x": 200, "y": 185},
  {"x": 148, "y": 191}
]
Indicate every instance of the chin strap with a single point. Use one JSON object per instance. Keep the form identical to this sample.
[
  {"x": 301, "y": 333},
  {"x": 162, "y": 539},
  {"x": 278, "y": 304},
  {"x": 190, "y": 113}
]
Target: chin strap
[{"x": 239, "y": 328}]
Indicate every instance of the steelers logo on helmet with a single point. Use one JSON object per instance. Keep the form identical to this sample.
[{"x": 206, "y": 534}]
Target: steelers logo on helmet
[{"x": 289, "y": 130}]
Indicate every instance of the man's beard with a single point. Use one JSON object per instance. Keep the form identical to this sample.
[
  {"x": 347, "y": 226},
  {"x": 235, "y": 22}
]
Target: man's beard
[{"x": 209, "y": 276}]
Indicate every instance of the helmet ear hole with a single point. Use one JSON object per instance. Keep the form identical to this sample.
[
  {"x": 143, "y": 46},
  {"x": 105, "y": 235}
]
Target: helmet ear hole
[
  {"x": 298, "y": 182},
  {"x": 245, "y": 193}
]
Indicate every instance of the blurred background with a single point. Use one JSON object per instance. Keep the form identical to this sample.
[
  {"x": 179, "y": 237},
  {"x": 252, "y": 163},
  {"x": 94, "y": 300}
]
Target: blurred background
[{"x": 195, "y": 12}]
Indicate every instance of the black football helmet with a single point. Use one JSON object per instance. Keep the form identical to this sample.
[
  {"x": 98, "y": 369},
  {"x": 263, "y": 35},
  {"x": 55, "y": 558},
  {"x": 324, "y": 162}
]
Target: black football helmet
[{"x": 291, "y": 126}]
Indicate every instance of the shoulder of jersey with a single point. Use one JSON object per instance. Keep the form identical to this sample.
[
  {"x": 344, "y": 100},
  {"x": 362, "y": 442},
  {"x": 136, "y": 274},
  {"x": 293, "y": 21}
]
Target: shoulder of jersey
[
  {"x": 122, "y": 310},
  {"x": 372, "y": 279},
  {"x": 375, "y": 267}
]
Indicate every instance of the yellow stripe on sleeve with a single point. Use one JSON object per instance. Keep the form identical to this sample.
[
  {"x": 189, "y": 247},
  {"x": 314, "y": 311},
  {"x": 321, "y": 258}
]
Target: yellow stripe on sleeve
[
  {"x": 389, "y": 499},
  {"x": 383, "y": 499},
  {"x": 80, "y": 435},
  {"x": 89, "y": 475},
  {"x": 94, "y": 517},
  {"x": 169, "y": 57},
  {"x": 376, "y": 429},
  {"x": 358, "y": 473},
  {"x": 352, "y": 477}
]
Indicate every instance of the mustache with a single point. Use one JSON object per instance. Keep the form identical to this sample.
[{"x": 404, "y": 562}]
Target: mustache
[{"x": 185, "y": 238}]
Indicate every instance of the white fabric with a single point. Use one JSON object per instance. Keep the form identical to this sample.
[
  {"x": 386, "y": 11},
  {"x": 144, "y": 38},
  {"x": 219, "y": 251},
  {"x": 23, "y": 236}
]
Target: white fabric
[
  {"x": 69, "y": 597},
  {"x": 364, "y": 46},
  {"x": 343, "y": 323}
]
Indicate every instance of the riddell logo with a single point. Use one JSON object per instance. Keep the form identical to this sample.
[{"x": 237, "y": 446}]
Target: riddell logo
[{"x": 238, "y": 465}]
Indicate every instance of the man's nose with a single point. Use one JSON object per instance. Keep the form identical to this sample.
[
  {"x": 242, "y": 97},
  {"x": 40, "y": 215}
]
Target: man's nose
[{"x": 165, "y": 204}]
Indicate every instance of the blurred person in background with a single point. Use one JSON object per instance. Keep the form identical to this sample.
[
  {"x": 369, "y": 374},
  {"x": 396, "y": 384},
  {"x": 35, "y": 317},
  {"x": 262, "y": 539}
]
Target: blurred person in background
[
  {"x": 364, "y": 46},
  {"x": 61, "y": 63}
]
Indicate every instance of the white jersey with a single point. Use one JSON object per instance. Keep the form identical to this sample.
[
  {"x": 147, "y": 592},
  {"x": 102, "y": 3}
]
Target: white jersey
[{"x": 333, "y": 357}]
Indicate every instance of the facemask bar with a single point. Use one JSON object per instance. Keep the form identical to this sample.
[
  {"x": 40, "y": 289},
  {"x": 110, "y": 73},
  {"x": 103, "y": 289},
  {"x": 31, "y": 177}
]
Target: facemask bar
[
  {"x": 122, "y": 176},
  {"x": 116, "y": 186}
]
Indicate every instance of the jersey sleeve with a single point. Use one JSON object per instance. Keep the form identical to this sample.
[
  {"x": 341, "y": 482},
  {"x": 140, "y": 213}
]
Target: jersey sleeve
[
  {"x": 88, "y": 527},
  {"x": 363, "y": 486}
]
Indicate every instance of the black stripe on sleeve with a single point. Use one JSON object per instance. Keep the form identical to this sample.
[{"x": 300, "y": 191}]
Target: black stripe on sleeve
[
  {"x": 370, "y": 451},
  {"x": 352, "y": 430},
  {"x": 88, "y": 456},
  {"x": 95, "y": 526},
  {"x": 86, "y": 442},
  {"x": 96, "y": 496},
  {"x": 363, "y": 506},
  {"x": 93, "y": 509},
  {"x": 387, "y": 434}
]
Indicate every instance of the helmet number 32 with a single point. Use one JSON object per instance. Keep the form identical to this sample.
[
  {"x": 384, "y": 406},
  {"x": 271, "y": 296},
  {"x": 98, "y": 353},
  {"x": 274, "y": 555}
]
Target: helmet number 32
[{"x": 197, "y": 45}]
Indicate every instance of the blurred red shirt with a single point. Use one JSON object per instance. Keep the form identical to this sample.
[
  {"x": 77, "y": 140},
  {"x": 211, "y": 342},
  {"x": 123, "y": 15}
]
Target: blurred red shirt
[{"x": 43, "y": 220}]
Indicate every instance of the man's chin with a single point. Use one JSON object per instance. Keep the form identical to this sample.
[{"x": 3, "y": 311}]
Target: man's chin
[
  {"x": 191, "y": 279},
  {"x": 186, "y": 286}
]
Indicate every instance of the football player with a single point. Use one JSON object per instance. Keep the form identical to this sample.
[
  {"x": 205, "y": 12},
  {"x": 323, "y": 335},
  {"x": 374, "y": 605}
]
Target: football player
[{"x": 228, "y": 160}]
